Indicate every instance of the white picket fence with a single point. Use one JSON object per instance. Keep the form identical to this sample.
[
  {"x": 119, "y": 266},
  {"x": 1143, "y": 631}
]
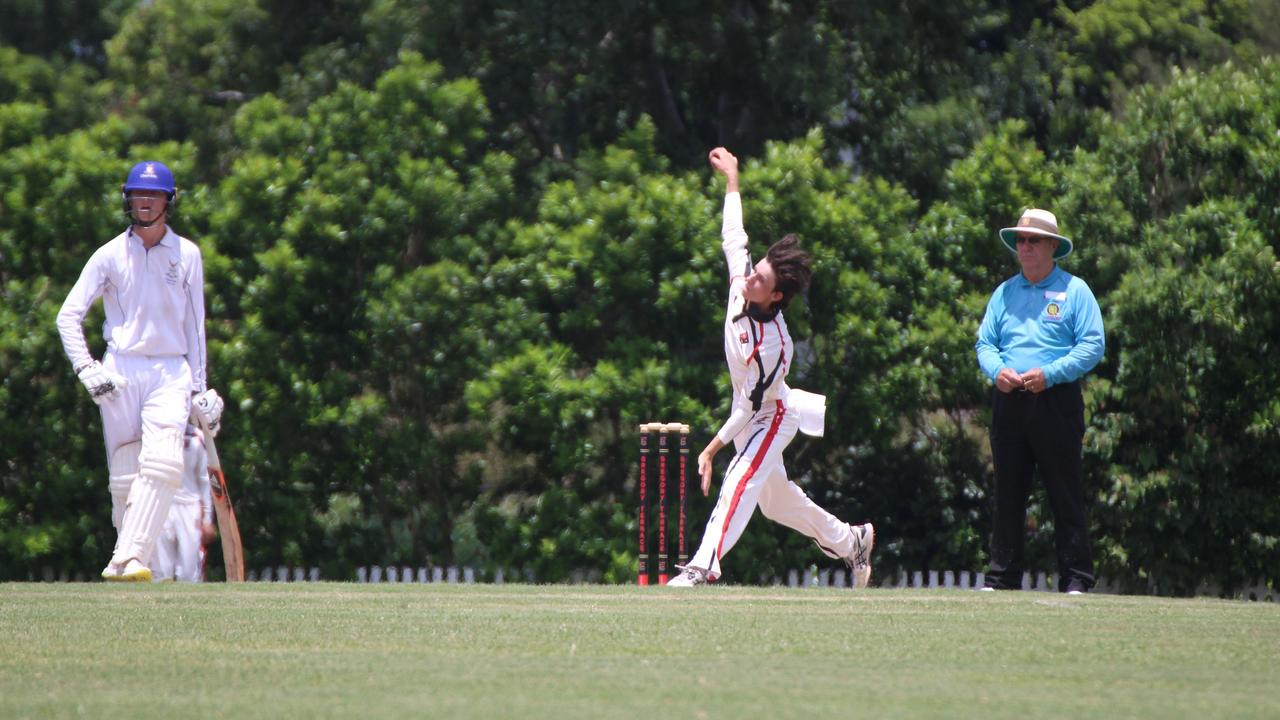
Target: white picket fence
[
  {"x": 807, "y": 577},
  {"x": 407, "y": 574}
]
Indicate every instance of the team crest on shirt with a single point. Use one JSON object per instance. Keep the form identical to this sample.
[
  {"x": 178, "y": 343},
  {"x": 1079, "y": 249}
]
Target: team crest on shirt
[
  {"x": 171, "y": 275},
  {"x": 1053, "y": 312},
  {"x": 742, "y": 338}
]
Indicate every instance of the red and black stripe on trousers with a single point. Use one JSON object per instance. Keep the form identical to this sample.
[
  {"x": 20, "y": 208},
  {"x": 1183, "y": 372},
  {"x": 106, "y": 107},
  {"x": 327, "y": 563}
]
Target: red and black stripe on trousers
[{"x": 763, "y": 382}]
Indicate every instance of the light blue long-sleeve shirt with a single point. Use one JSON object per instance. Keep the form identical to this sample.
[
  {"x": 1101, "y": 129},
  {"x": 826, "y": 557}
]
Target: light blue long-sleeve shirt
[{"x": 1055, "y": 325}]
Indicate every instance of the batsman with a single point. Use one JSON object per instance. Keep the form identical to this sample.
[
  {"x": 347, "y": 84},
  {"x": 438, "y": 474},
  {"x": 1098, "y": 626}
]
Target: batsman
[
  {"x": 765, "y": 414},
  {"x": 151, "y": 282}
]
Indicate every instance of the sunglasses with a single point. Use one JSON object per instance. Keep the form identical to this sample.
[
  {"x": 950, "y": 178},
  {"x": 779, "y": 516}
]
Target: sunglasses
[{"x": 1032, "y": 239}]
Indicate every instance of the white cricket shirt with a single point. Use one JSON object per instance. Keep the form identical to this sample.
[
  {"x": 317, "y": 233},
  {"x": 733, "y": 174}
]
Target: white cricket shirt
[
  {"x": 154, "y": 302},
  {"x": 758, "y": 353}
]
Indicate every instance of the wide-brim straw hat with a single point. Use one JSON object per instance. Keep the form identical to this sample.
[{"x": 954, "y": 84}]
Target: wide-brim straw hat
[{"x": 1036, "y": 222}]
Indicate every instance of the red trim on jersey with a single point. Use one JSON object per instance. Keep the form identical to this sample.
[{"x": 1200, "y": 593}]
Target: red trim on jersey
[
  {"x": 779, "y": 411},
  {"x": 782, "y": 338}
]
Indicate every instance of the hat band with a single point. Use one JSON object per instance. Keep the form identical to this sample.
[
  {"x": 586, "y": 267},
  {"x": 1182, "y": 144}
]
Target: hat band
[{"x": 1031, "y": 223}]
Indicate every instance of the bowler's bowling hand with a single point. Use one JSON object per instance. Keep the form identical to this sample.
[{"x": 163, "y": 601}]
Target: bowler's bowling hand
[
  {"x": 726, "y": 164},
  {"x": 723, "y": 162}
]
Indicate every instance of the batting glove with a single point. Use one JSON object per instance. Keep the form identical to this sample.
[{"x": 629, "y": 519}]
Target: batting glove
[
  {"x": 208, "y": 407},
  {"x": 102, "y": 384}
]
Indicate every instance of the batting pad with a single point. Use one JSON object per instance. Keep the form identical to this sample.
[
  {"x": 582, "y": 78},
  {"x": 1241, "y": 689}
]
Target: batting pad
[
  {"x": 159, "y": 477},
  {"x": 123, "y": 469}
]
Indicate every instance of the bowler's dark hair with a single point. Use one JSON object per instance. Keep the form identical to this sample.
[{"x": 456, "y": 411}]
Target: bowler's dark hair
[{"x": 791, "y": 268}]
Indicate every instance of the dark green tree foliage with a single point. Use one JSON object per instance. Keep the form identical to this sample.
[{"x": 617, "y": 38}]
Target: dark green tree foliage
[
  {"x": 1120, "y": 43},
  {"x": 350, "y": 309},
  {"x": 183, "y": 65},
  {"x": 58, "y": 205},
  {"x": 64, "y": 28},
  {"x": 561, "y": 73},
  {"x": 456, "y": 252},
  {"x": 41, "y": 96},
  {"x": 1190, "y": 430},
  {"x": 1186, "y": 437}
]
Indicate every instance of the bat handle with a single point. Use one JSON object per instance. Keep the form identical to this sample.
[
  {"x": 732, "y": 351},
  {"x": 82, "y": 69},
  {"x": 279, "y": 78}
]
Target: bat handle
[{"x": 211, "y": 450}]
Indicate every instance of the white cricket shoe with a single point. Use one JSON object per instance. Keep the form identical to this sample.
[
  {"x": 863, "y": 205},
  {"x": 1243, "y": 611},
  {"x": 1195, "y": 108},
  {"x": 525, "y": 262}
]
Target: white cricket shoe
[
  {"x": 859, "y": 559},
  {"x": 688, "y": 577},
  {"x": 132, "y": 571}
]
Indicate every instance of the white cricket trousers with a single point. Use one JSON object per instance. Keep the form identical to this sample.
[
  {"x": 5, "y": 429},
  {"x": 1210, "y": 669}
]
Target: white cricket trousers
[
  {"x": 757, "y": 476},
  {"x": 153, "y": 405},
  {"x": 178, "y": 553},
  {"x": 156, "y": 399}
]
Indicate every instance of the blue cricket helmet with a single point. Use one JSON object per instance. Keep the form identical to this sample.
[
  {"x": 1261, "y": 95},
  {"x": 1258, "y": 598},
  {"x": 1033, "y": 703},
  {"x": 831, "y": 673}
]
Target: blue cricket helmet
[{"x": 150, "y": 175}]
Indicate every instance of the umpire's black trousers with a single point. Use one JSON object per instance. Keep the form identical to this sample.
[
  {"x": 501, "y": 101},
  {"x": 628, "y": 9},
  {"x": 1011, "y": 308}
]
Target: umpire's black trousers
[{"x": 1042, "y": 432}]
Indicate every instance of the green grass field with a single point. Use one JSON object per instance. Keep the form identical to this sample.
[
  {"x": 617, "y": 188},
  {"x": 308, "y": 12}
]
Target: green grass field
[{"x": 511, "y": 651}]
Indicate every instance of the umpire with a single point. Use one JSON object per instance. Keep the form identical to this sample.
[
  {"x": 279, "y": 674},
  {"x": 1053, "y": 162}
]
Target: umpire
[{"x": 1041, "y": 333}]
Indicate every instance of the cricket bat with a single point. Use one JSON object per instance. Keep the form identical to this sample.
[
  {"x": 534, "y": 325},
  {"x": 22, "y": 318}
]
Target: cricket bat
[{"x": 228, "y": 528}]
